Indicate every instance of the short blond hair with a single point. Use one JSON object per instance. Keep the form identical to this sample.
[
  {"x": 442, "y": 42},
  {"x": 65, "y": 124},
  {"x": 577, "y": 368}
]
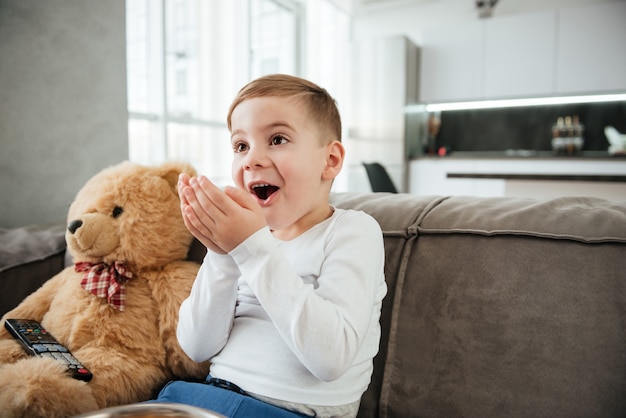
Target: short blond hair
[{"x": 321, "y": 105}]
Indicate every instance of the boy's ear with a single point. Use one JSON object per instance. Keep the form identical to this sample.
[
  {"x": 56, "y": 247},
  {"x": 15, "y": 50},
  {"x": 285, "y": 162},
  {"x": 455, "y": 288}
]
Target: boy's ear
[{"x": 334, "y": 160}]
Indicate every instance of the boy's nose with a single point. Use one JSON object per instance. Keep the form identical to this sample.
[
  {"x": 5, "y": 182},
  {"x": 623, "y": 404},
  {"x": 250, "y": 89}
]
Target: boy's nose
[{"x": 255, "y": 157}]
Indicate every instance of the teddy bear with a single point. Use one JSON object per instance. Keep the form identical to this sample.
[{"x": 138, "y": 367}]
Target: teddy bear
[{"x": 116, "y": 307}]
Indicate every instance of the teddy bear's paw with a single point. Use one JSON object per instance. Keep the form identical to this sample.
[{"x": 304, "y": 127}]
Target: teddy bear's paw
[{"x": 40, "y": 387}]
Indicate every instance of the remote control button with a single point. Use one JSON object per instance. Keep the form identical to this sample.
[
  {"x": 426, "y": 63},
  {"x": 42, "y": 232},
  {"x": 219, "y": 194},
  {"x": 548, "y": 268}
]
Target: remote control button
[
  {"x": 70, "y": 359},
  {"x": 59, "y": 347},
  {"x": 40, "y": 348},
  {"x": 82, "y": 371}
]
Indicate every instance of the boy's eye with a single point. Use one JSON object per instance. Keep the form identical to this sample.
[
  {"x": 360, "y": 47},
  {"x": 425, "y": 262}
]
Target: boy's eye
[
  {"x": 278, "y": 139},
  {"x": 240, "y": 147}
]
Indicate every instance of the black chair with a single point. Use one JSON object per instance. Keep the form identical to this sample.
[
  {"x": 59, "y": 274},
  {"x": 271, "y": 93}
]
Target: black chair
[{"x": 379, "y": 178}]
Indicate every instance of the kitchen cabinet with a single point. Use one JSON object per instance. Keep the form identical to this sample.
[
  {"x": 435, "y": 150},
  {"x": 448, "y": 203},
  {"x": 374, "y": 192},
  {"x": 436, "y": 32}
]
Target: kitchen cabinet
[
  {"x": 591, "y": 55},
  {"x": 574, "y": 50},
  {"x": 428, "y": 176},
  {"x": 519, "y": 55},
  {"x": 495, "y": 58},
  {"x": 436, "y": 176},
  {"x": 452, "y": 63},
  {"x": 375, "y": 120}
]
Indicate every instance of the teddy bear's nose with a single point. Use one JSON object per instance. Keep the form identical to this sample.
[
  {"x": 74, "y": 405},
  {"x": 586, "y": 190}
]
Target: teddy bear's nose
[{"x": 74, "y": 225}]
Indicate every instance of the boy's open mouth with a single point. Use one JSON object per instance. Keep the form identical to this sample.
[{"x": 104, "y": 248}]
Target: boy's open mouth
[{"x": 264, "y": 190}]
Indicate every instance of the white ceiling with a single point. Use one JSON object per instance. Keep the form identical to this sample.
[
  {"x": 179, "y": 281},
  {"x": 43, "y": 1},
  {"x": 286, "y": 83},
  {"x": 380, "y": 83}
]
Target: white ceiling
[
  {"x": 469, "y": 6},
  {"x": 355, "y": 6},
  {"x": 369, "y": 5}
]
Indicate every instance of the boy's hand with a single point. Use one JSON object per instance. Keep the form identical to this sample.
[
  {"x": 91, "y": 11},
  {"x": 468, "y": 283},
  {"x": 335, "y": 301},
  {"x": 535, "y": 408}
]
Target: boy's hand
[
  {"x": 221, "y": 220},
  {"x": 184, "y": 189}
]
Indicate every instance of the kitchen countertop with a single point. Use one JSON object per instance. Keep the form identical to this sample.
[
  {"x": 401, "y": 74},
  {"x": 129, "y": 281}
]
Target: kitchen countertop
[
  {"x": 528, "y": 154},
  {"x": 543, "y": 166},
  {"x": 550, "y": 177}
]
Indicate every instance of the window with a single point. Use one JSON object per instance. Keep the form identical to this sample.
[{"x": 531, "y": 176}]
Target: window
[
  {"x": 188, "y": 58},
  {"x": 274, "y": 37}
]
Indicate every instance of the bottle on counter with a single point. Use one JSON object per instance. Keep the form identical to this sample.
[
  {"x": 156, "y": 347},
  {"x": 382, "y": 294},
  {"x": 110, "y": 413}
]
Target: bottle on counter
[
  {"x": 558, "y": 136},
  {"x": 567, "y": 135},
  {"x": 578, "y": 139},
  {"x": 434, "y": 124}
]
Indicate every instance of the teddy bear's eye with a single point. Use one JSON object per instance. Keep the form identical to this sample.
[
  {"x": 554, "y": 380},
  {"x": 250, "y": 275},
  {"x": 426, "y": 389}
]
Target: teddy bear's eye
[{"x": 117, "y": 211}]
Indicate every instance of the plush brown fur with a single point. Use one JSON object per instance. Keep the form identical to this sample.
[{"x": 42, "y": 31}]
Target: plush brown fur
[{"x": 133, "y": 352}]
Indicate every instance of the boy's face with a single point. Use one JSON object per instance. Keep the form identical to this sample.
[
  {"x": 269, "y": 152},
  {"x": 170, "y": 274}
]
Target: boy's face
[{"x": 280, "y": 159}]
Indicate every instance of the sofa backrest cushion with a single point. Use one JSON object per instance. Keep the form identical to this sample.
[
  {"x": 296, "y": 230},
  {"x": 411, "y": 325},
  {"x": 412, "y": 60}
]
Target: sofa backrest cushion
[
  {"x": 29, "y": 256},
  {"x": 499, "y": 307}
]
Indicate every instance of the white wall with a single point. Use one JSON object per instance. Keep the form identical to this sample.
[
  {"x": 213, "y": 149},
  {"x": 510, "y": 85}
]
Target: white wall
[
  {"x": 63, "y": 110},
  {"x": 409, "y": 18}
]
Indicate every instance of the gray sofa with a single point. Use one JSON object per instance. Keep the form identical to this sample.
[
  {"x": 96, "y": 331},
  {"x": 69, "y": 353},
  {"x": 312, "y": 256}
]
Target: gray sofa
[{"x": 496, "y": 307}]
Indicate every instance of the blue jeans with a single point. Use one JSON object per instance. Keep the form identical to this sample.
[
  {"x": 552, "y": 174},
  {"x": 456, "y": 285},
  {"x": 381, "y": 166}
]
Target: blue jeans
[{"x": 223, "y": 401}]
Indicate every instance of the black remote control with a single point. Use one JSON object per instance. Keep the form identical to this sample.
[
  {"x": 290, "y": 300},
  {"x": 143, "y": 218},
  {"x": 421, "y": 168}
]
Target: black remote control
[{"x": 38, "y": 342}]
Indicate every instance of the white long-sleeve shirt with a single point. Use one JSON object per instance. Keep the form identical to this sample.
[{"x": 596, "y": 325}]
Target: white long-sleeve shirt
[{"x": 292, "y": 320}]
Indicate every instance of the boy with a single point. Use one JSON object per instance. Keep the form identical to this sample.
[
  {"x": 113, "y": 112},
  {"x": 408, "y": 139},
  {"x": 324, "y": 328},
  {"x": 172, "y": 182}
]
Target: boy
[{"x": 287, "y": 301}]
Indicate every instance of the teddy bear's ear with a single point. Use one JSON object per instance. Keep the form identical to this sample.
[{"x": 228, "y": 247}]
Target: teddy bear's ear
[{"x": 170, "y": 171}]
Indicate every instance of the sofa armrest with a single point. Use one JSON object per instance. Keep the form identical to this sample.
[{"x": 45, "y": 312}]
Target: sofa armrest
[{"x": 29, "y": 256}]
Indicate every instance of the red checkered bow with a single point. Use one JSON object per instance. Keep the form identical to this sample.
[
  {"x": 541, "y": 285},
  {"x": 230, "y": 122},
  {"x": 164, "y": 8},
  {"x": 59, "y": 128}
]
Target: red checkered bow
[{"x": 106, "y": 281}]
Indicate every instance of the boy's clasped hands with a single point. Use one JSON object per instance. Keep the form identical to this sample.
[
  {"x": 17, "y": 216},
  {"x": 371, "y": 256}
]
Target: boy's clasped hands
[{"x": 219, "y": 219}]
